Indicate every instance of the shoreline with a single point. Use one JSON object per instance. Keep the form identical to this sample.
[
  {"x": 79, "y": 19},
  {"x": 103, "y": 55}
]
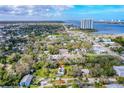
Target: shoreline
[{"x": 110, "y": 35}]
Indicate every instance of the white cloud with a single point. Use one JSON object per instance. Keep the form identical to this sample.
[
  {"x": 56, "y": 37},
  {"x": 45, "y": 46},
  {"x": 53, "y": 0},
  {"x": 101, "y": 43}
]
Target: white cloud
[{"x": 37, "y": 10}]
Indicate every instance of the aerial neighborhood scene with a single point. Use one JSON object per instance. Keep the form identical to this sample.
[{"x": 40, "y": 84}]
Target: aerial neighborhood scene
[{"x": 62, "y": 46}]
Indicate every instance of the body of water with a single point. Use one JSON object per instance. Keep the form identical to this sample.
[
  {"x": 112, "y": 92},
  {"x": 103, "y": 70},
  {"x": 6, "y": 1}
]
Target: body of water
[{"x": 104, "y": 28}]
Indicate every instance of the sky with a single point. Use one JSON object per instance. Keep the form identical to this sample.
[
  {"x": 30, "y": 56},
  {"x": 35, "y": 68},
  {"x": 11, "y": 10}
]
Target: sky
[{"x": 61, "y": 12}]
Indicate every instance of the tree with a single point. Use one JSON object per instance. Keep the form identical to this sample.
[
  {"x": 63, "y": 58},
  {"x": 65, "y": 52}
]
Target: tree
[
  {"x": 120, "y": 80},
  {"x": 26, "y": 59},
  {"x": 38, "y": 65},
  {"x": 75, "y": 84},
  {"x": 53, "y": 50},
  {"x": 22, "y": 69},
  {"x": 7, "y": 79},
  {"x": 119, "y": 40},
  {"x": 98, "y": 84},
  {"x": 14, "y": 57},
  {"x": 103, "y": 65},
  {"x": 77, "y": 72},
  {"x": 24, "y": 65},
  {"x": 44, "y": 72}
]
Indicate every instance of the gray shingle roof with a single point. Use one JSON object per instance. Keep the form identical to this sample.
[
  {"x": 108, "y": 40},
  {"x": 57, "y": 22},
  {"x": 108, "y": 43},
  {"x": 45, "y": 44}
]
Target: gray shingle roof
[{"x": 27, "y": 78}]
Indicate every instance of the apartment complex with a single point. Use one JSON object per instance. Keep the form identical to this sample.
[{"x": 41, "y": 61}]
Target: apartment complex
[{"x": 87, "y": 24}]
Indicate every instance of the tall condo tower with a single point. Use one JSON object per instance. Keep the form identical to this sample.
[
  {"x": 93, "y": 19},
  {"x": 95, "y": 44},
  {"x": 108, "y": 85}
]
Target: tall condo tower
[{"x": 87, "y": 24}]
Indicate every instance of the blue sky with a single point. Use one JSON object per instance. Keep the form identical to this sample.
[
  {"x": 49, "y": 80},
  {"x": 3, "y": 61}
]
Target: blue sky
[{"x": 60, "y": 12}]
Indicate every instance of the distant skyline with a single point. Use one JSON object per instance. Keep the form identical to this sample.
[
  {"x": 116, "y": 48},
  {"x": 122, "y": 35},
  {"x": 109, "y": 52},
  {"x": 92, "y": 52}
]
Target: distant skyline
[{"x": 60, "y": 12}]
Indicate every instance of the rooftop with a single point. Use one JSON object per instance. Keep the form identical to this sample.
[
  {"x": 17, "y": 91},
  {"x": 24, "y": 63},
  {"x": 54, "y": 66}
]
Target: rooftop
[
  {"x": 119, "y": 70},
  {"x": 63, "y": 51},
  {"x": 114, "y": 86},
  {"x": 27, "y": 78}
]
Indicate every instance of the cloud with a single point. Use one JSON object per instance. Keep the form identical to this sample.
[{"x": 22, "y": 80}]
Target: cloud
[
  {"x": 51, "y": 12},
  {"x": 37, "y": 10}
]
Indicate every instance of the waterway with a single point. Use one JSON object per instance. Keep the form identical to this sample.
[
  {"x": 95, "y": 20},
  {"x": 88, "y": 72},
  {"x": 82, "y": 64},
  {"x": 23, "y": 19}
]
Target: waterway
[{"x": 104, "y": 28}]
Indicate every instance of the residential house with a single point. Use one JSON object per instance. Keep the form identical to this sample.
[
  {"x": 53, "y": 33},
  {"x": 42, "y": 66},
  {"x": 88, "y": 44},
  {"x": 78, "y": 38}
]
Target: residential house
[
  {"x": 60, "y": 82},
  {"x": 108, "y": 41},
  {"x": 119, "y": 70},
  {"x": 44, "y": 82},
  {"x": 46, "y": 52},
  {"x": 65, "y": 54},
  {"x": 83, "y": 50},
  {"x": 114, "y": 86},
  {"x": 63, "y": 51},
  {"x": 61, "y": 71},
  {"x": 85, "y": 71},
  {"x": 26, "y": 80},
  {"x": 51, "y": 37},
  {"x": 55, "y": 57},
  {"x": 70, "y": 56},
  {"x": 99, "y": 49},
  {"x": 122, "y": 53},
  {"x": 112, "y": 80}
]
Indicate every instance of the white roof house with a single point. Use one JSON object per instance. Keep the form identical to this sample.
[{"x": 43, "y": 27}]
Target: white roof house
[
  {"x": 46, "y": 52},
  {"x": 97, "y": 39},
  {"x": 66, "y": 56},
  {"x": 108, "y": 41},
  {"x": 105, "y": 41},
  {"x": 83, "y": 50},
  {"x": 55, "y": 57},
  {"x": 51, "y": 37},
  {"x": 112, "y": 80},
  {"x": 82, "y": 36},
  {"x": 114, "y": 86},
  {"x": 44, "y": 82},
  {"x": 63, "y": 51},
  {"x": 93, "y": 80},
  {"x": 111, "y": 43},
  {"x": 98, "y": 49},
  {"x": 85, "y": 71},
  {"x": 72, "y": 41},
  {"x": 60, "y": 71},
  {"x": 119, "y": 70}
]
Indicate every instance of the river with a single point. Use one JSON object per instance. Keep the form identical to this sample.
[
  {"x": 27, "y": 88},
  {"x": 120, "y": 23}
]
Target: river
[{"x": 104, "y": 28}]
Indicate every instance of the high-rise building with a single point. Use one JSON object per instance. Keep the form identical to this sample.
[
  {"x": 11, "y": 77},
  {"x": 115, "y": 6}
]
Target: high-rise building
[{"x": 87, "y": 24}]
